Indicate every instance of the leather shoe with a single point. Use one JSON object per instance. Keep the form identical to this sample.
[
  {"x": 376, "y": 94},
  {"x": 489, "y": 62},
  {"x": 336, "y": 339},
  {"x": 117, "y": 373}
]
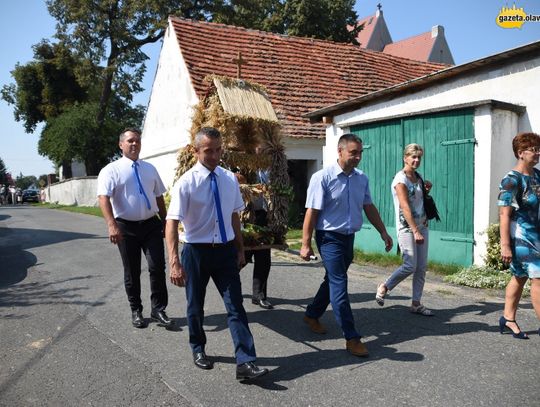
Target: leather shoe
[
  {"x": 315, "y": 325},
  {"x": 201, "y": 361},
  {"x": 262, "y": 303},
  {"x": 137, "y": 319},
  {"x": 249, "y": 370},
  {"x": 356, "y": 347},
  {"x": 161, "y": 318}
]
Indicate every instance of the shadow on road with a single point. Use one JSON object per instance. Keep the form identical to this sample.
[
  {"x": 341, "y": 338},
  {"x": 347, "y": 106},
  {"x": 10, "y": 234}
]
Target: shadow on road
[
  {"x": 388, "y": 326},
  {"x": 15, "y": 260}
]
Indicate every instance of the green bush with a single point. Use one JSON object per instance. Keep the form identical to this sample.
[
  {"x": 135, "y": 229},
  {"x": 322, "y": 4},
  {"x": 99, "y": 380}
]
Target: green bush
[
  {"x": 483, "y": 277},
  {"x": 493, "y": 256},
  {"x": 480, "y": 277}
]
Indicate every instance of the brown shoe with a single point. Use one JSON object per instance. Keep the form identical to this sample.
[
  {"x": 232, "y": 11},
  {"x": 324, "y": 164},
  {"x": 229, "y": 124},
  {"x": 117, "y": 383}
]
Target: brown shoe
[
  {"x": 356, "y": 347},
  {"x": 315, "y": 325}
]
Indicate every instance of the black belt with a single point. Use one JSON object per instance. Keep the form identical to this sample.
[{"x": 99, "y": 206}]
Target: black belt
[
  {"x": 136, "y": 222},
  {"x": 212, "y": 245}
]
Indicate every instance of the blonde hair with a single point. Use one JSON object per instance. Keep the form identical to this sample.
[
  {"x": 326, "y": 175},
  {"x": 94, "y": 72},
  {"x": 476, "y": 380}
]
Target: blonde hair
[{"x": 411, "y": 149}]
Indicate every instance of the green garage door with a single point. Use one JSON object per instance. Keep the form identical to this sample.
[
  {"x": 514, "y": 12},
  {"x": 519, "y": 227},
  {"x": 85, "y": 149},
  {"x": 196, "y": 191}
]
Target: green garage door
[{"x": 448, "y": 141}]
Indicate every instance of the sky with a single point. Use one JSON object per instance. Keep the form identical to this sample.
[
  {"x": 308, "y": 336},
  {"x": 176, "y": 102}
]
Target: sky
[{"x": 469, "y": 27}]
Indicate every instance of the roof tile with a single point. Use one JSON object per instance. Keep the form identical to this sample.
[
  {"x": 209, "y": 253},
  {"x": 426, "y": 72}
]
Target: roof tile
[
  {"x": 300, "y": 74},
  {"x": 418, "y": 47}
]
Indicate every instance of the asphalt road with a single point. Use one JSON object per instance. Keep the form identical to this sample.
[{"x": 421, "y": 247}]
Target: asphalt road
[{"x": 66, "y": 337}]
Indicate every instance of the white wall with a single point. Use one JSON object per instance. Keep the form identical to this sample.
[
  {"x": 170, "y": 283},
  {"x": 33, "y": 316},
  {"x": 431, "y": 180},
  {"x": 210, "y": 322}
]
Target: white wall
[
  {"x": 168, "y": 120},
  {"x": 75, "y": 191},
  {"x": 516, "y": 83},
  {"x": 493, "y": 158}
]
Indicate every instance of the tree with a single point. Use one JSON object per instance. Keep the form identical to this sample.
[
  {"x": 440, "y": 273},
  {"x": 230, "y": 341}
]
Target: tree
[
  {"x": 323, "y": 19},
  {"x": 48, "y": 89},
  {"x": 264, "y": 15},
  {"x": 3, "y": 173},
  {"x": 72, "y": 133},
  {"x": 23, "y": 182},
  {"x": 44, "y": 87},
  {"x": 109, "y": 34}
]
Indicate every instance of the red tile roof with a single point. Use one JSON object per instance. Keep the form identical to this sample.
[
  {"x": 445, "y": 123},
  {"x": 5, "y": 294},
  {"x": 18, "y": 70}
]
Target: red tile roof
[
  {"x": 300, "y": 74},
  {"x": 418, "y": 47}
]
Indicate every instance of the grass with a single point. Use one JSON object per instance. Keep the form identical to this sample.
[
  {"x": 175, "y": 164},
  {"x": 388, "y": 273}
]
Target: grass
[
  {"x": 294, "y": 234},
  {"x": 88, "y": 210},
  {"x": 378, "y": 259}
]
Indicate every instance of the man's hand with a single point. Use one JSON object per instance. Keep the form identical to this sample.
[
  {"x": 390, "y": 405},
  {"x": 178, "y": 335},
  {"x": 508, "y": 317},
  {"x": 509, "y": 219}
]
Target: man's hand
[
  {"x": 388, "y": 242},
  {"x": 115, "y": 235},
  {"x": 241, "y": 260},
  {"x": 306, "y": 252},
  {"x": 164, "y": 227},
  {"x": 177, "y": 275}
]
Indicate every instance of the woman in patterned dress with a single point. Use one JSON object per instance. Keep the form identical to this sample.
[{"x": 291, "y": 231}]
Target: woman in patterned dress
[
  {"x": 412, "y": 229},
  {"x": 519, "y": 202}
]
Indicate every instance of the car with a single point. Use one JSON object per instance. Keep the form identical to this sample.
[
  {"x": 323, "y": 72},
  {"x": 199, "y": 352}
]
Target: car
[{"x": 30, "y": 195}]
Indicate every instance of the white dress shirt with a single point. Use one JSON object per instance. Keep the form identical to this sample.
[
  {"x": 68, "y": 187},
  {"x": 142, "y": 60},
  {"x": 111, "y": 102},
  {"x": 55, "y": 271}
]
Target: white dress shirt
[
  {"x": 117, "y": 180},
  {"x": 192, "y": 203}
]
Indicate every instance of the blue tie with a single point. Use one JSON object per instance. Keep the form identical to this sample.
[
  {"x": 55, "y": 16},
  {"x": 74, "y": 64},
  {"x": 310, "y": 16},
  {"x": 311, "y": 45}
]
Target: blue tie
[
  {"x": 139, "y": 183},
  {"x": 213, "y": 185}
]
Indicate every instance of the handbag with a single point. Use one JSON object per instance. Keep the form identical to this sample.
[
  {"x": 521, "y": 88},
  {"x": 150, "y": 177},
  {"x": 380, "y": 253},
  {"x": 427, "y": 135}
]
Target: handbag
[{"x": 429, "y": 203}]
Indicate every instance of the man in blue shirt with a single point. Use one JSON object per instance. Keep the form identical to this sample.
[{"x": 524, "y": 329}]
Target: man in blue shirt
[{"x": 336, "y": 197}]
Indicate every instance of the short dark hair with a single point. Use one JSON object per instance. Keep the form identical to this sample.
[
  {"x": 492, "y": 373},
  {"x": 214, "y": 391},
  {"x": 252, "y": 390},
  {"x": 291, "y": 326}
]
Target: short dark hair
[
  {"x": 209, "y": 132},
  {"x": 523, "y": 141},
  {"x": 347, "y": 138},
  {"x": 131, "y": 129}
]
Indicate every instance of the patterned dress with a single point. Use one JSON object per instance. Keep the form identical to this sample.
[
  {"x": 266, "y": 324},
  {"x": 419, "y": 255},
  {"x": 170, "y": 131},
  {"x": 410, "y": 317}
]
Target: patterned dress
[{"x": 522, "y": 192}]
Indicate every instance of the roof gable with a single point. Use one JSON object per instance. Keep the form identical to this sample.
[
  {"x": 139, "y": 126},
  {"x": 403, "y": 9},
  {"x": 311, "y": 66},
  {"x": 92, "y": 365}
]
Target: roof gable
[
  {"x": 365, "y": 34},
  {"x": 300, "y": 74},
  {"x": 418, "y": 47}
]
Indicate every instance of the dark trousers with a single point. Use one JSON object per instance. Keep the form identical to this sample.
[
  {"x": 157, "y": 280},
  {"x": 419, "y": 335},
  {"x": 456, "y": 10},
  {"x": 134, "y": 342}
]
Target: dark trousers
[
  {"x": 145, "y": 236},
  {"x": 261, "y": 261},
  {"x": 261, "y": 270},
  {"x": 336, "y": 252},
  {"x": 202, "y": 262}
]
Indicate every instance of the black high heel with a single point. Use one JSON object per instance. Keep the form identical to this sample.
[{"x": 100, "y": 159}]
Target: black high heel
[{"x": 502, "y": 327}]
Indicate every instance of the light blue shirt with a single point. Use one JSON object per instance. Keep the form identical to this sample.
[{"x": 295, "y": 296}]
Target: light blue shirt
[
  {"x": 192, "y": 203},
  {"x": 340, "y": 198}
]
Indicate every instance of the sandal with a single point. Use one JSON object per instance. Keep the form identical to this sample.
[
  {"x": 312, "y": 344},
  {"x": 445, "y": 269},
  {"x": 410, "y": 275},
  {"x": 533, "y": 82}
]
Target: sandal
[
  {"x": 422, "y": 310},
  {"x": 381, "y": 293}
]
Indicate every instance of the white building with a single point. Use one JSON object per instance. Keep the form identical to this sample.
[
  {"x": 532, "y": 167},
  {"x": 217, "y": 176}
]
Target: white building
[
  {"x": 298, "y": 74},
  {"x": 465, "y": 116}
]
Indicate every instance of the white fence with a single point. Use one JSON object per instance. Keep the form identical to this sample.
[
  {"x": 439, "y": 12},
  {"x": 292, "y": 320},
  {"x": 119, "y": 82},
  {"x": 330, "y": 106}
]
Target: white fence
[{"x": 80, "y": 191}]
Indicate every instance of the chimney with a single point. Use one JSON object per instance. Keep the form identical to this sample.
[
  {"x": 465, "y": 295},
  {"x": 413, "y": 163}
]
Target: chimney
[{"x": 437, "y": 30}]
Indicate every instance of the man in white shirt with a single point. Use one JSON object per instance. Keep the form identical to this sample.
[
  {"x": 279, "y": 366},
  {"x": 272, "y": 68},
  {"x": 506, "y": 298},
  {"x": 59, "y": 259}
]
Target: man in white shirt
[
  {"x": 130, "y": 194},
  {"x": 207, "y": 200}
]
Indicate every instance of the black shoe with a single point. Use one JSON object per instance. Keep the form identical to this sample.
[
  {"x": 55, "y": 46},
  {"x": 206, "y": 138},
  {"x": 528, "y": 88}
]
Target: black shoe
[
  {"x": 161, "y": 318},
  {"x": 249, "y": 370},
  {"x": 262, "y": 303},
  {"x": 503, "y": 327},
  {"x": 137, "y": 319},
  {"x": 201, "y": 361}
]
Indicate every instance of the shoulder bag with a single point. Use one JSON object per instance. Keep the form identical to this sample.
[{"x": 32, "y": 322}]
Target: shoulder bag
[{"x": 429, "y": 204}]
